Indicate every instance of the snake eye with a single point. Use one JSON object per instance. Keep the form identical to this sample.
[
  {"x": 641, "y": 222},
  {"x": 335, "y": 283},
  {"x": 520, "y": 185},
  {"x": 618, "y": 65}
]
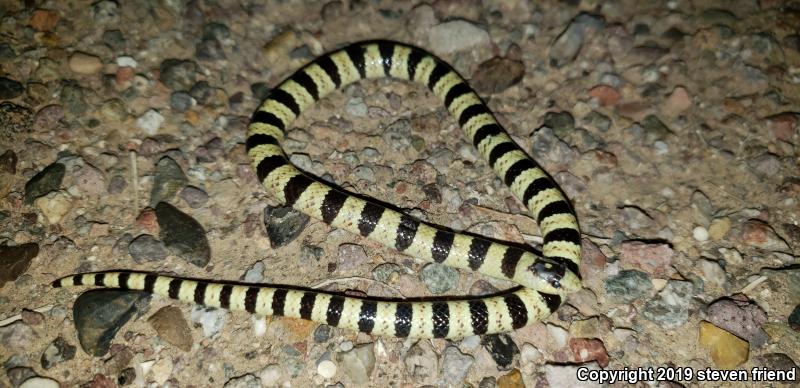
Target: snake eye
[{"x": 549, "y": 272}]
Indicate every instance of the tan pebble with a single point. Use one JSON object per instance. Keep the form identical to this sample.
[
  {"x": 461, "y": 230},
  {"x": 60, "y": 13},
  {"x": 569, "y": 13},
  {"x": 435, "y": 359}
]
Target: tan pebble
[
  {"x": 44, "y": 20},
  {"x": 171, "y": 326},
  {"x": 54, "y": 206},
  {"x": 162, "y": 370},
  {"x": 727, "y": 350},
  {"x": 511, "y": 380},
  {"x": 83, "y": 63},
  {"x": 719, "y": 228},
  {"x": 586, "y": 328},
  {"x": 677, "y": 102}
]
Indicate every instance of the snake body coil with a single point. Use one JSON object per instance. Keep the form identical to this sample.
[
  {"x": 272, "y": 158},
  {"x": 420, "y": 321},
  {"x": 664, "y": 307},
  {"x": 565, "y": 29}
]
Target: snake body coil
[{"x": 545, "y": 279}]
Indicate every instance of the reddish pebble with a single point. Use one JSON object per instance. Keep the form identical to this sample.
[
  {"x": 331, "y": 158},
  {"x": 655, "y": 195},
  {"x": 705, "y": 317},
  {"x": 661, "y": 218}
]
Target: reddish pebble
[
  {"x": 148, "y": 221},
  {"x": 32, "y": 318},
  {"x": 783, "y": 125},
  {"x": 124, "y": 77},
  {"x": 677, "y": 102},
  {"x": 589, "y": 349},
  {"x": 605, "y": 94},
  {"x": 44, "y": 20},
  {"x": 655, "y": 259}
]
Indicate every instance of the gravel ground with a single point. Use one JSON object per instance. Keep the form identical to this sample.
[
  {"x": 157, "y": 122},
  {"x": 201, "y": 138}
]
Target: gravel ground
[{"x": 673, "y": 128}]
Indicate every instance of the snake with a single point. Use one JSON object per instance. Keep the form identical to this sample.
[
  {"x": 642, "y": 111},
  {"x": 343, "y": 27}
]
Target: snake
[{"x": 544, "y": 277}]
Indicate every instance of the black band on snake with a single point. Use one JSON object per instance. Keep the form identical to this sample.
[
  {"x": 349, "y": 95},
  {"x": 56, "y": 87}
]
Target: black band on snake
[{"x": 545, "y": 278}]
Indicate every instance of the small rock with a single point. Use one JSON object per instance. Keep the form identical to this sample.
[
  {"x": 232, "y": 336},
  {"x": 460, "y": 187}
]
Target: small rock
[
  {"x": 439, "y": 278},
  {"x": 47, "y": 180},
  {"x": 15, "y": 260},
  {"x": 654, "y": 129},
  {"x": 457, "y": 35},
  {"x": 146, "y": 248},
  {"x": 628, "y": 285},
  {"x": 589, "y": 349},
  {"x": 783, "y": 125},
  {"x": 90, "y": 180},
  {"x": 169, "y": 178},
  {"x": 700, "y": 233},
  {"x": 283, "y": 224},
  {"x": 105, "y": 12},
  {"x": 194, "y": 197},
  {"x": 18, "y": 374},
  {"x": 271, "y": 375},
  {"x": 351, "y": 257},
  {"x": 10, "y": 89},
  {"x": 719, "y": 228},
  {"x": 170, "y": 325},
  {"x": 560, "y": 122},
  {"x": 178, "y": 74},
  {"x": 32, "y": 317},
  {"x": 759, "y": 234},
  {"x": 150, "y": 122},
  {"x": 422, "y": 363},
  {"x": 83, "y": 63},
  {"x": 326, "y": 369},
  {"x": 322, "y": 334},
  {"x": 398, "y": 134},
  {"x": 58, "y": 351},
  {"x": 385, "y": 272},
  {"x": 740, "y": 317},
  {"x": 246, "y": 381},
  {"x": 727, "y": 350},
  {"x": 567, "y": 46},
  {"x": 779, "y": 362},
  {"x": 488, "y": 382},
  {"x": 530, "y": 353},
  {"x": 99, "y": 314},
  {"x": 713, "y": 273},
  {"x": 17, "y": 335},
  {"x": 497, "y": 75},
  {"x": 255, "y": 274},
  {"x": 117, "y": 184},
  {"x": 183, "y": 235},
  {"x": 512, "y": 379},
  {"x": 655, "y": 259},
  {"x": 44, "y": 20},
  {"x": 40, "y": 382},
  {"x": 54, "y": 206},
  {"x": 8, "y": 162},
  {"x": 566, "y": 376},
  {"x": 598, "y": 120},
  {"x": 210, "y": 319},
  {"x": 502, "y": 348},
  {"x": 677, "y": 102},
  {"x": 358, "y": 363},
  {"x": 15, "y": 121},
  {"x": 455, "y": 366},
  {"x": 356, "y": 107},
  {"x": 605, "y": 95},
  {"x": 794, "y": 318},
  {"x": 181, "y": 101},
  {"x": 671, "y": 308}
]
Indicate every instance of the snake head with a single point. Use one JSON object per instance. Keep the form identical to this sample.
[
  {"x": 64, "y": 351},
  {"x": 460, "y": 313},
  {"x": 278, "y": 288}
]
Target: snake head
[{"x": 551, "y": 272}]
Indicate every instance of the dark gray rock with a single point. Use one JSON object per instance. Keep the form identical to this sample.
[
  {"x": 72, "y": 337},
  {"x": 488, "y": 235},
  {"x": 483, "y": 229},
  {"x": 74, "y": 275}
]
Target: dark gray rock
[
  {"x": 14, "y": 261},
  {"x": 47, "y": 180},
  {"x": 58, "y": 351},
  {"x": 194, "y": 197},
  {"x": 439, "y": 278},
  {"x": 146, "y": 248},
  {"x": 283, "y": 224},
  {"x": 178, "y": 74},
  {"x": 629, "y": 285},
  {"x": 502, "y": 348},
  {"x": 10, "y": 89},
  {"x": 180, "y": 101},
  {"x": 183, "y": 235},
  {"x": 169, "y": 179},
  {"x": 794, "y": 318},
  {"x": 117, "y": 184},
  {"x": 99, "y": 314},
  {"x": 670, "y": 308}
]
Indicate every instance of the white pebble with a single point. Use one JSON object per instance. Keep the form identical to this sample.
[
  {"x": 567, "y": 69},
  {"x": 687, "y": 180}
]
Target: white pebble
[
  {"x": 259, "y": 326},
  {"x": 530, "y": 353},
  {"x": 39, "y": 382},
  {"x": 126, "y": 61},
  {"x": 346, "y": 346},
  {"x": 150, "y": 121},
  {"x": 326, "y": 369},
  {"x": 700, "y": 233}
]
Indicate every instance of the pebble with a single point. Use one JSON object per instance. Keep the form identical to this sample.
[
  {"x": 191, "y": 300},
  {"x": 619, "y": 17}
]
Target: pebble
[
  {"x": 44, "y": 20},
  {"x": 628, "y": 285},
  {"x": 783, "y": 125},
  {"x": 566, "y": 376},
  {"x": 529, "y": 353},
  {"x": 210, "y": 319},
  {"x": 654, "y": 129},
  {"x": 700, "y": 233},
  {"x": 15, "y": 260},
  {"x": 677, "y": 102},
  {"x": 40, "y": 382},
  {"x": 99, "y": 314},
  {"x": 326, "y": 369},
  {"x": 90, "y": 180},
  {"x": 727, "y": 350},
  {"x": 183, "y": 235},
  {"x": 270, "y": 375},
  {"x": 549, "y": 147},
  {"x": 356, "y": 107},
  {"x": 322, "y": 334},
  {"x": 47, "y": 180},
  {"x": 171, "y": 326},
  {"x": 83, "y": 63},
  {"x": 150, "y": 122},
  {"x": 54, "y": 206},
  {"x": 181, "y": 101},
  {"x": 719, "y": 228},
  {"x": 178, "y": 74},
  {"x": 455, "y": 366},
  {"x": 496, "y": 75},
  {"x": 385, "y": 272},
  {"x": 255, "y": 274},
  {"x": 351, "y": 257},
  {"x": 162, "y": 370},
  {"x": 779, "y": 361},
  {"x": 58, "y": 351},
  {"x": 502, "y": 349},
  {"x": 17, "y": 335},
  {"x": 759, "y": 234},
  {"x": 606, "y": 95},
  {"x": 210, "y": 50},
  {"x": 512, "y": 379},
  {"x": 741, "y": 317},
  {"x": 358, "y": 363},
  {"x": 598, "y": 120},
  {"x": 794, "y": 318},
  {"x": 670, "y": 309},
  {"x": 560, "y": 122},
  {"x": 654, "y": 259},
  {"x": 713, "y": 273},
  {"x": 283, "y": 224},
  {"x": 105, "y": 12},
  {"x": 589, "y": 349},
  {"x": 567, "y": 46},
  {"x": 439, "y": 278},
  {"x": 488, "y": 382},
  {"x": 457, "y": 35},
  {"x": 10, "y": 89},
  {"x": 194, "y": 197},
  {"x": 245, "y": 381},
  {"x": 18, "y": 374},
  {"x": 422, "y": 363},
  {"x": 398, "y": 134}
]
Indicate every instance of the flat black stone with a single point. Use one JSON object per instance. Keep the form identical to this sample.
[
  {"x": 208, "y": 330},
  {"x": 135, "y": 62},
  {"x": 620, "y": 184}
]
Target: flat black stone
[
  {"x": 99, "y": 314},
  {"x": 183, "y": 235}
]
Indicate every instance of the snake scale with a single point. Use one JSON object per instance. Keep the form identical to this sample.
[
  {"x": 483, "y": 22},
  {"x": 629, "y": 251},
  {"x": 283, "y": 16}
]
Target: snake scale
[{"x": 545, "y": 278}]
